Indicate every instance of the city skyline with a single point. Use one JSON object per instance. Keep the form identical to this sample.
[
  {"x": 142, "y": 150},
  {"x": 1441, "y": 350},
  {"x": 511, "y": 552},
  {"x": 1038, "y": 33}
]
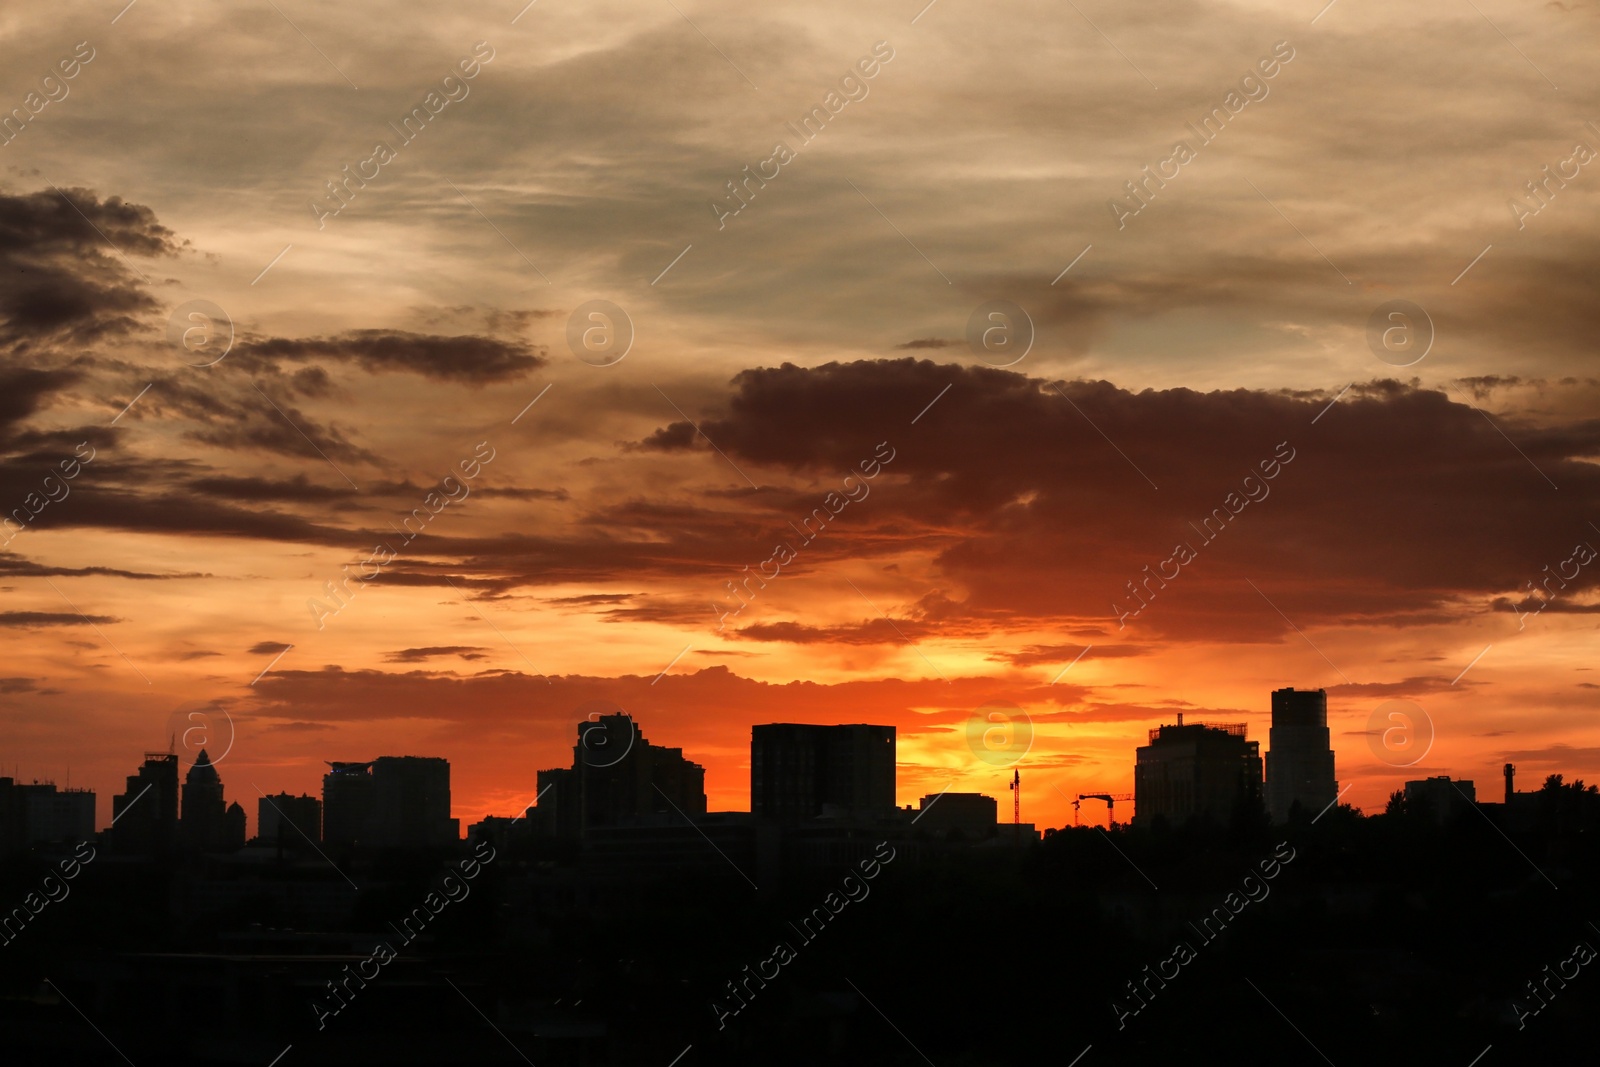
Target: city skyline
[
  {"x": 318, "y": 428},
  {"x": 611, "y": 749}
]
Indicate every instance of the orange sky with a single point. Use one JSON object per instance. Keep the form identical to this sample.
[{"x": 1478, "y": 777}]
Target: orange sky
[{"x": 361, "y": 358}]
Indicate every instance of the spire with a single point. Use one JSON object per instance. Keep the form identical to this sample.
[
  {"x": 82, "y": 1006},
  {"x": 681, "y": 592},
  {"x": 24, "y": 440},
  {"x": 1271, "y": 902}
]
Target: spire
[{"x": 202, "y": 770}]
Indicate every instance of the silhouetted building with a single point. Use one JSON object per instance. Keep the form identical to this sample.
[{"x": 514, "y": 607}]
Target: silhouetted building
[
  {"x": 617, "y": 776},
  {"x": 234, "y": 826},
  {"x": 971, "y": 813},
  {"x": 1200, "y": 770},
  {"x": 289, "y": 821},
  {"x": 1439, "y": 798},
  {"x": 800, "y": 772},
  {"x": 50, "y": 815},
  {"x": 204, "y": 816},
  {"x": 411, "y": 803},
  {"x": 13, "y": 818},
  {"x": 38, "y": 813},
  {"x": 1299, "y": 756},
  {"x": 145, "y": 816},
  {"x": 652, "y": 847},
  {"x": 346, "y": 803}
]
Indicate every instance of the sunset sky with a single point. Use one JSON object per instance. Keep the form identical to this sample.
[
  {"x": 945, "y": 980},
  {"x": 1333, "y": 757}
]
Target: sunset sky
[{"x": 573, "y": 153}]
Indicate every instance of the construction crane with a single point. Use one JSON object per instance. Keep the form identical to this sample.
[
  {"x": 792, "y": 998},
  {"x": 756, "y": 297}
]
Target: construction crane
[{"x": 1111, "y": 804}]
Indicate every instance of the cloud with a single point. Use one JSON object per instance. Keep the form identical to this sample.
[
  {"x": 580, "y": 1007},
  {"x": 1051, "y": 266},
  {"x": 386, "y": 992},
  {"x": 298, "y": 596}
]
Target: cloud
[
  {"x": 870, "y": 632},
  {"x": 24, "y": 568},
  {"x": 514, "y": 493},
  {"x": 62, "y": 278},
  {"x": 1413, "y": 686},
  {"x": 268, "y": 648},
  {"x": 1035, "y": 655},
  {"x": 1556, "y": 755},
  {"x": 591, "y": 598},
  {"x": 31, "y": 619},
  {"x": 253, "y": 488},
  {"x": 928, "y": 342},
  {"x": 475, "y": 360},
  {"x": 1531, "y": 606},
  {"x": 1031, "y": 513},
  {"x": 419, "y": 655},
  {"x": 24, "y": 391}
]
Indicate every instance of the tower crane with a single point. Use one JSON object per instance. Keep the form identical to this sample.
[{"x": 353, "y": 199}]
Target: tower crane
[{"x": 1111, "y": 804}]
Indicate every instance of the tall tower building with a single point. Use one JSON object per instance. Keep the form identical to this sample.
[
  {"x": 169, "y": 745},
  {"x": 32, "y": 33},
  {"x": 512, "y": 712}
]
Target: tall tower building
[
  {"x": 289, "y": 821},
  {"x": 411, "y": 803},
  {"x": 234, "y": 827},
  {"x": 1299, "y": 755},
  {"x": 204, "y": 816},
  {"x": 145, "y": 817},
  {"x": 346, "y": 803},
  {"x": 1196, "y": 770},
  {"x": 799, "y": 771},
  {"x": 617, "y": 775}
]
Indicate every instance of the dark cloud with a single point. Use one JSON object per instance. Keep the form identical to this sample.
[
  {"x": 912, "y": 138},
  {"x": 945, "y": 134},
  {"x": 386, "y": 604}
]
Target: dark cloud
[
  {"x": 419, "y": 655},
  {"x": 1030, "y": 511},
  {"x": 870, "y": 632},
  {"x": 254, "y": 488},
  {"x": 928, "y": 342},
  {"x": 62, "y": 276},
  {"x": 1533, "y": 606},
  {"x": 30, "y": 619},
  {"x": 472, "y": 359},
  {"x": 24, "y": 391},
  {"x": 268, "y": 648},
  {"x": 19, "y": 567},
  {"x": 513, "y": 493}
]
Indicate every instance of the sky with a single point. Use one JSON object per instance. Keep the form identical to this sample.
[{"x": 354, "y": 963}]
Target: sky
[{"x": 391, "y": 378}]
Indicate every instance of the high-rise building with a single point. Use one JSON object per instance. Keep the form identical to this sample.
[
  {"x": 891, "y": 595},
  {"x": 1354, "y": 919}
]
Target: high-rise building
[
  {"x": 1196, "y": 770},
  {"x": 52, "y": 815},
  {"x": 13, "y": 819},
  {"x": 800, "y": 772},
  {"x": 289, "y": 821},
  {"x": 411, "y": 803},
  {"x": 346, "y": 803},
  {"x": 234, "y": 826},
  {"x": 145, "y": 816},
  {"x": 617, "y": 775},
  {"x": 204, "y": 817},
  {"x": 1299, "y": 755}
]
